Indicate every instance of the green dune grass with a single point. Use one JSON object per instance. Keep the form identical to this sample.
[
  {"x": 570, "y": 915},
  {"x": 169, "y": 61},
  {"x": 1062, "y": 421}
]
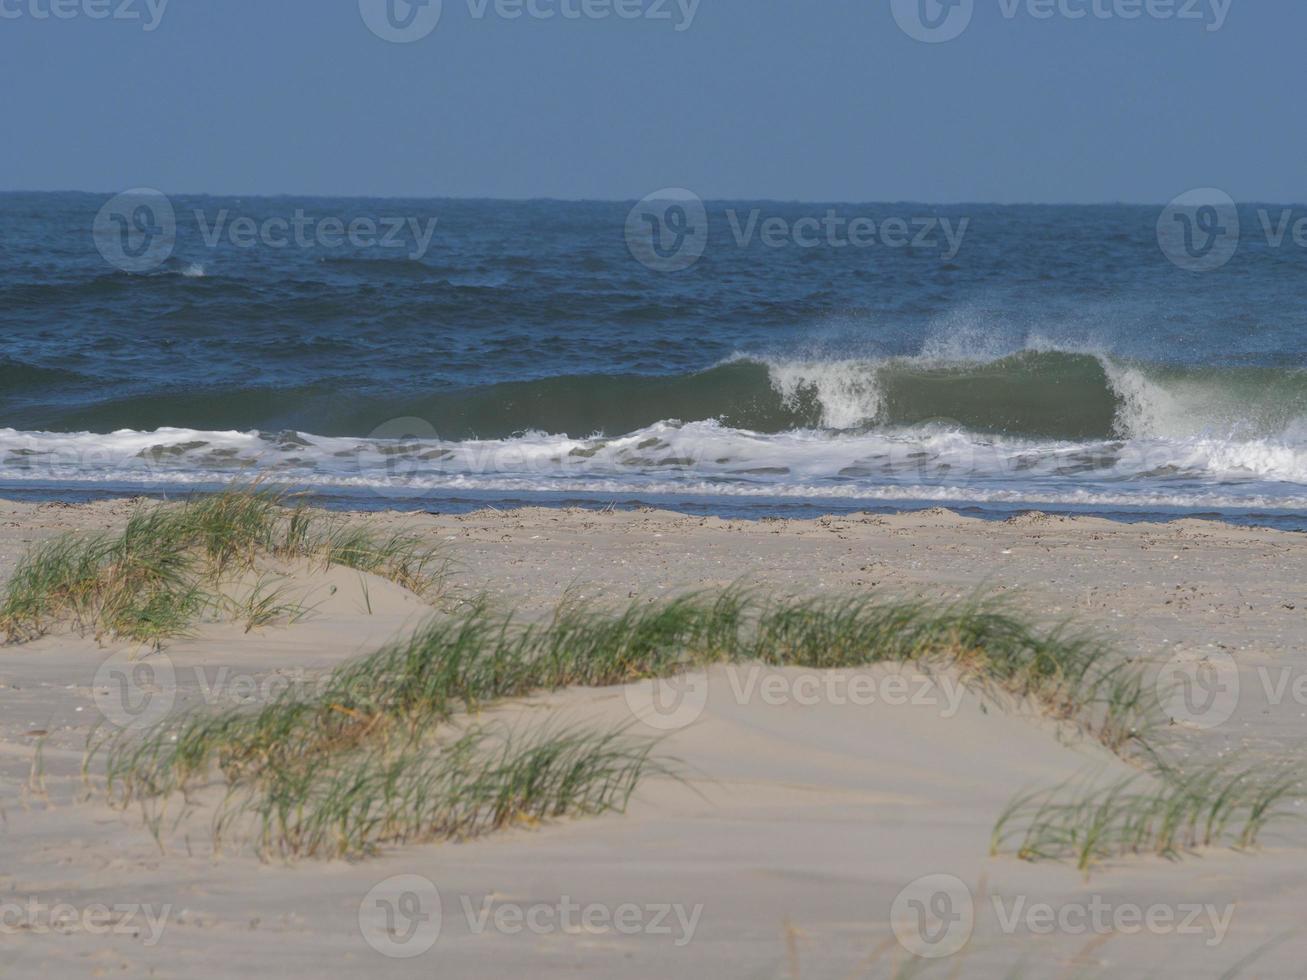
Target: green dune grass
[
  {"x": 293, "y": 756},
  {"x": 379, "y": 750},
  {"x": 162, "y": 572}
]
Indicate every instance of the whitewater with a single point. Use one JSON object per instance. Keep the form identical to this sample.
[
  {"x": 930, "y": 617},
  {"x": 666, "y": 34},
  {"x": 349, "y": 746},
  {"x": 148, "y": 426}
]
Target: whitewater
[{"x": 1167, "y": 440}]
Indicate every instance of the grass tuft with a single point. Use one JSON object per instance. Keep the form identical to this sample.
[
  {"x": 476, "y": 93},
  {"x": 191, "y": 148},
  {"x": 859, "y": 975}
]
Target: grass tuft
[
  {"x": 1167, "y": 813},
  {"x": 358, "y": 761},
  {"x": 158, "y": 577},
  {"x": 293, "y": 755},
  {"x": 481, "y": 781}
]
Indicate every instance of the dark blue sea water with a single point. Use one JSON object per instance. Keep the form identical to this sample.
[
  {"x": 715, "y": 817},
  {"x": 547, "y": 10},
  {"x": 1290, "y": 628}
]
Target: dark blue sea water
[{"x": 728, "y": 356}]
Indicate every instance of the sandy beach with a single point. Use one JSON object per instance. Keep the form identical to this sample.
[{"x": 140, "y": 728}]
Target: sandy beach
[
  {"x": 642, "y": 489},
  {"x": 813, "y": 807}
]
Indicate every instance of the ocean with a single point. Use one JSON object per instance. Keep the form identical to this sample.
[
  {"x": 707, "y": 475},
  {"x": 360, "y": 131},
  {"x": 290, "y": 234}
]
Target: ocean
[{"x": 739, "y": 358}]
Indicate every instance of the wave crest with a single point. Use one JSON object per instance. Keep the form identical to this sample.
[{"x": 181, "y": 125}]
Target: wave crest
[{"x": 1050, "y": 394}]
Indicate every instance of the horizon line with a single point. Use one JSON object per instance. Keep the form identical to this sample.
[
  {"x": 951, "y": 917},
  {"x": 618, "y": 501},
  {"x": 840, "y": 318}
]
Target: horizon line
[{"x": 618, "y": 200}]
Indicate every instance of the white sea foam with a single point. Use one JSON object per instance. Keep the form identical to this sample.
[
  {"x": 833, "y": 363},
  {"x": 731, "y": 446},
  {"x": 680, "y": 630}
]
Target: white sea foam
[
  {"x": 1151, "y": 402},
  {"x": 846, "y": 389},
  {"x": 701, "y": 458}
]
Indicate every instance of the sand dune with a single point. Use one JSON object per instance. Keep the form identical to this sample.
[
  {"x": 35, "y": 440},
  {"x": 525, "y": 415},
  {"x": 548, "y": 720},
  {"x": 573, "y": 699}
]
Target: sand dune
[{"x": 811, "y": 803}]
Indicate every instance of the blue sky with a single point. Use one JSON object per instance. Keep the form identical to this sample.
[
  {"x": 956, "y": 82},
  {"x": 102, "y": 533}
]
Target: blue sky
[{"x": 787, "y": 99}]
